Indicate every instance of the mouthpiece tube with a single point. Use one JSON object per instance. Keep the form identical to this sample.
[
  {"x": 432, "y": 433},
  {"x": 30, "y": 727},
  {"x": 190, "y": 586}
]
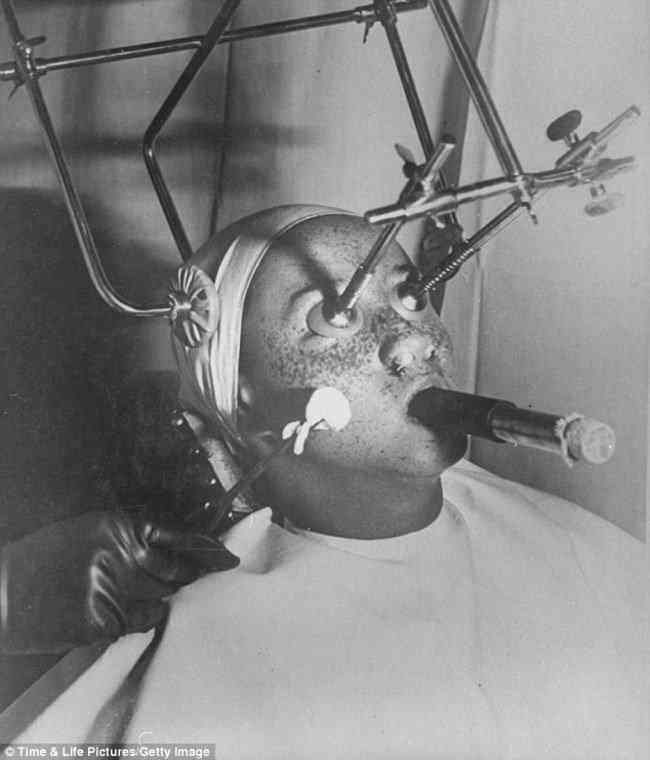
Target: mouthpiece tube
[{"x": 574, "y": 437}]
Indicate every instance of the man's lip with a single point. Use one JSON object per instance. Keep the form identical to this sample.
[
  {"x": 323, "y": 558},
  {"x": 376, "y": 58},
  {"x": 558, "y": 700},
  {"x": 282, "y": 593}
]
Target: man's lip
[{"x": 427, "y": 381}]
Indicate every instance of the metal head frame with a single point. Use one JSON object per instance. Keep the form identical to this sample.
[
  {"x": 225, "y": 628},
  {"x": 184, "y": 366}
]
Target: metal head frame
[{"x": 425, "y": 194}]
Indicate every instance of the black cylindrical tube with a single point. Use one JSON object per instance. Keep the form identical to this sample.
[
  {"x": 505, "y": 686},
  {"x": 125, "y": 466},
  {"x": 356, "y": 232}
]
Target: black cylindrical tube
[
  {"x": 456, "y": 412},
  {"x": 574, "y": 437}
]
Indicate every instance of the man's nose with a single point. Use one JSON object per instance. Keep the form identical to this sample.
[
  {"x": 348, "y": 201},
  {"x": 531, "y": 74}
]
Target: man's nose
[{"x": 407, "y": 352}]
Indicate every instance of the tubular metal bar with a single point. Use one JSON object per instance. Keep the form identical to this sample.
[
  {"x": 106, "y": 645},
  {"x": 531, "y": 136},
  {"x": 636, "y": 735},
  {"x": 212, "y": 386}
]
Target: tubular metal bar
[
  {"x": 386, "y": 14},
  {"x": 110, "y": 55},
  {"x": 362, "y": 14},
  {"x": 338, "y": 310},
  {"x": 527, "y": 186},
  {"x": 384, "y": 11},
  {"x": 477, "y": 87},
  {"x": 363, "y": 274},
  {"x": 211, "y": 38},
  {"x": 76, "y": 212}
]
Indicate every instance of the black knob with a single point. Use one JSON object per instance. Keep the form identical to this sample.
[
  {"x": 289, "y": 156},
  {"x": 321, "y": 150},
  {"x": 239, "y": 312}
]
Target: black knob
[{"x": 564, "y": 126}]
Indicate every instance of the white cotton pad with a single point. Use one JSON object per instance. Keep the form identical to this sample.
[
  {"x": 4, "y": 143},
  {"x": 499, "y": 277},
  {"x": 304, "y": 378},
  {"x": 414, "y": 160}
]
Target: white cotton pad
[
  {"x": 290, "y": 429},
  {"x": 328, "y": 407}
]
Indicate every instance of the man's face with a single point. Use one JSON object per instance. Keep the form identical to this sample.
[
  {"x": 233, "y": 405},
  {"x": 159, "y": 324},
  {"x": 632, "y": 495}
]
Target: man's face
[{"x": 379, "y": 368}]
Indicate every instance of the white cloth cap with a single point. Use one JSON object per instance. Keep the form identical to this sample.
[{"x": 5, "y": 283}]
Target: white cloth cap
[{"x": 209, "y": 369}]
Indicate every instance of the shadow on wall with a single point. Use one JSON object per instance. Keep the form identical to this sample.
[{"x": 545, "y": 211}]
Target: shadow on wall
[
  {"x": 101, "y": 113},
  {"x": 59, "y": 357},
  {"x": 102, "y": 145},
  {"x": 65, "y": 356}
]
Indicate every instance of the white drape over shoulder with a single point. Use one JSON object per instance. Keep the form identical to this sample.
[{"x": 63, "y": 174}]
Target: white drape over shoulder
[{"x": 512, "y": 627}]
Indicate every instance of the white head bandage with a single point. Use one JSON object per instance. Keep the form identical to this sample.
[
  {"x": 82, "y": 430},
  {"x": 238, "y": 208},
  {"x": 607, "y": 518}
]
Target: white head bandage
[{"x": 207, "y": 320}]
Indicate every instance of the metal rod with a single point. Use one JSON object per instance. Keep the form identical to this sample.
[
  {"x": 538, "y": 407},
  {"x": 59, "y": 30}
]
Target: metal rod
[
  {"x": 527, "y": 185},
  {"x": 73, "y": 203},
  {"x": 386, "y": 13},
  {"x": 359, "y": 282},
  {"x": 630, "y": 114},
  {"x": 362, "y": 14},
  {"x": 219, "y": 510},
  {"x": 442, "y": 203},
  {"x": 449, "y": 266},
  {"x": 211, "y": 38},
  {"x": 12, "y": 22},
  {"x": 477, "y": 87},
  {"x": 363, "y": 273},
  {"x": 111, "y": 55}
]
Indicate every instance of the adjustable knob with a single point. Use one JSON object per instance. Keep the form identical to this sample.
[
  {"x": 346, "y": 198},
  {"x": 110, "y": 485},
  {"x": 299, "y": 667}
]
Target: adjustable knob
[
  {"x": 409, "y": 164},
  {"x": 564, "y": 127}
]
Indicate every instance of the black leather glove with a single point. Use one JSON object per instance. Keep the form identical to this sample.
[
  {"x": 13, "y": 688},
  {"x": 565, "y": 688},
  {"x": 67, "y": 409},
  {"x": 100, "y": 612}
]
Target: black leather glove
[{"x": 94, "y": 578}]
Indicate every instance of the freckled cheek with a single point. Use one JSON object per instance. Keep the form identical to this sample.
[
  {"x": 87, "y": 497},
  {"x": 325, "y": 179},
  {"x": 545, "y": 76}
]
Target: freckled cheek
[{"x": 343, "y": 364}]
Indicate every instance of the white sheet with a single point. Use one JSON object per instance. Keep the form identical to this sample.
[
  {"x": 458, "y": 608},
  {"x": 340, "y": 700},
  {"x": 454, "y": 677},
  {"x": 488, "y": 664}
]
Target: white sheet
[{"x": 512, "y": 627}]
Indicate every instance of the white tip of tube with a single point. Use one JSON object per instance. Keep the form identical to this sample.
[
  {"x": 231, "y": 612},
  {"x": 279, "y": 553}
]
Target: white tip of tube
[
  {"x": 328, "y": 408},
  {"x": 590, "y": 440}
]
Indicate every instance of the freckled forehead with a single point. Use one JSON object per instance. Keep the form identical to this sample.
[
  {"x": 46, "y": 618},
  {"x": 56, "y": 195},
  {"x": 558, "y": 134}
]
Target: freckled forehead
[{"x": 319, "y": 252}]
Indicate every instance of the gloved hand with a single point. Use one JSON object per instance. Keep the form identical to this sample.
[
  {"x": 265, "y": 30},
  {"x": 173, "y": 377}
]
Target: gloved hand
[{"x": 96, "y": 577}]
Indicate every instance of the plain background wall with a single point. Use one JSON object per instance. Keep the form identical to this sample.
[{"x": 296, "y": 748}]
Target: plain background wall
[{"x": 560, "y": 318}]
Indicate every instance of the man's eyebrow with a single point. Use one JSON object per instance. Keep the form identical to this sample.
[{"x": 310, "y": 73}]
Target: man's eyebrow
[
  {"x": 295, "y": 302},
  {"x": 294, "y": 297},
  {"x": 403, "y": 267}
]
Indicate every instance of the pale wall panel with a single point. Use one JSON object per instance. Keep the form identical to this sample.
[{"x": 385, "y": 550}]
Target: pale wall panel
[{"x": 564, "y": 306}]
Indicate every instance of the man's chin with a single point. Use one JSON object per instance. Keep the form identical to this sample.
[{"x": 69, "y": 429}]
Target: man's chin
[
  {"x": 454, "y": 445},
  {"x": 432, "y": 457},
  {"x": 445, "y": 450}
]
